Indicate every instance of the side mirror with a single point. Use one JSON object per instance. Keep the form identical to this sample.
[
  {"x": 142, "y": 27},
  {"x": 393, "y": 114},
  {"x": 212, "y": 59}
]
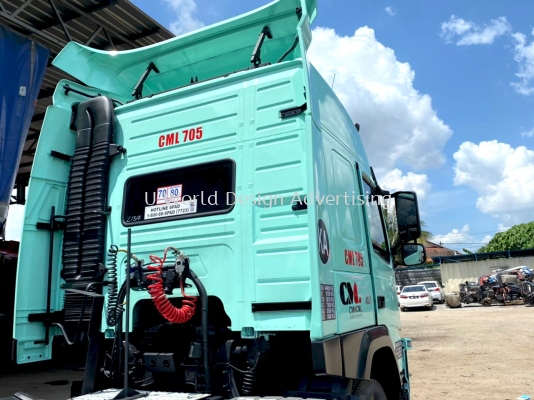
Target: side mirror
[
  {"x": 408, "y": 222},
  {"x": 412, "y": 254}
]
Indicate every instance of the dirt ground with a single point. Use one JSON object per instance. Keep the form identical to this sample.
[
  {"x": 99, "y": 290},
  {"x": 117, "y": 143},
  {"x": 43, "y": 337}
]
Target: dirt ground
[{"x": 472, "y": 352}]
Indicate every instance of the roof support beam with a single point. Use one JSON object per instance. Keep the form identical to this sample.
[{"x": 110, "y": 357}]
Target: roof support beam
[
  {"x": 81, "y": 12},
  {"x": 31, "y": 29},
  {"x": 69, "y": 15},
  {"x": 26, "y": 164},
  {"x": 21, "y": 8},
  {"x": 58, "y": 15},
  {"x": 137, "y": 36},
  {"x": 31, "y": 136},
  {"x": 30, "y": 150},
  {"x": 94, "y": 35},
  {"x": 109, "y": 39},
  {"x": 145, "y": 33}
]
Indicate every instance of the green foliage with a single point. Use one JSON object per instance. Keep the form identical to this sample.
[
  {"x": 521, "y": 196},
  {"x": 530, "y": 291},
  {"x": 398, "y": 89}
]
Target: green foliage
[
  {"x": 518, "y": 237},
  {"x": 467, "y": 251},
  {"x": 426, "y": 236},
  {"x": 390, "y": 218}
]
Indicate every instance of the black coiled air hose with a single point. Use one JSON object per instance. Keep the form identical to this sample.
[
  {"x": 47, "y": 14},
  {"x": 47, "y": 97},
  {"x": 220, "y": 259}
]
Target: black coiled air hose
[
  {"x": 113, "y": 294},
  {"x": 249, "y": 380}
]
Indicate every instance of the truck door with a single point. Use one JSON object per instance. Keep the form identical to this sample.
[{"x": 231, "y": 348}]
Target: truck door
[
  {"x": 353, "y": 288},
  {"x": 380, "y": 256}
]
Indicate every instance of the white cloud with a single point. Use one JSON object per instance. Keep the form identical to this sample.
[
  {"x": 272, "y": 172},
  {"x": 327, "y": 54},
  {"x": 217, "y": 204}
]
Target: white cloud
[
  {"x": 398, "y": 124},
  {"x": 529, "y": 133},
  {"x": 14, "y": 223},
  {"x": 524, "y": 56},
  {"x": 503, "y": 228},
  {"x": 502, "y": 176},
  {"x": 468, "y": 33},
  {"x": 395, "y": 181},
  {"x": 390, "y": 11},
  {"x": 185, "y": 16},
  {"x": 458, "y": 239}
]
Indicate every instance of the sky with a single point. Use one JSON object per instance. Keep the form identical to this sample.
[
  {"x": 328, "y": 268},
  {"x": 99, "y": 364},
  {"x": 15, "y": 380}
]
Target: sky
[{"x": 443, "y": 91}]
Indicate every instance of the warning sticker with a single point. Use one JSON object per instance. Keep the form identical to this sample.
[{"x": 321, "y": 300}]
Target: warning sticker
[
  {"x": 170, "y": 210},
  {"x": 328, "y": 302},
  {"x": 169, "y": 194}
]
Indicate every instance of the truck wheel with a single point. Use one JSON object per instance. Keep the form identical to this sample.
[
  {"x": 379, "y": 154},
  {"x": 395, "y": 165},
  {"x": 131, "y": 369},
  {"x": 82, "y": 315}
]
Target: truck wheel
[{"x": 370, "y": 389}]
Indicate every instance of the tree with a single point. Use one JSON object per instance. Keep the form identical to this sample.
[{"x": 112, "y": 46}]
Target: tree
[
  {"x": 467, "y": 251},
  {"x": 426, "y": 236},
  {"x": 518, "y": 237},
  {"x": 390, "y": 218}
]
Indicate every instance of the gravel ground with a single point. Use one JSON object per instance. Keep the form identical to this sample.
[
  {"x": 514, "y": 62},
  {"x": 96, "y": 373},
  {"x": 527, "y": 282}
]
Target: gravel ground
[{"x": 472, "y": 352}]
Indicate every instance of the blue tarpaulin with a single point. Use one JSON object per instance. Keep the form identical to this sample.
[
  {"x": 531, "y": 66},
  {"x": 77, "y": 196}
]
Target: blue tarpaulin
[{"x": 22, "y": 67}]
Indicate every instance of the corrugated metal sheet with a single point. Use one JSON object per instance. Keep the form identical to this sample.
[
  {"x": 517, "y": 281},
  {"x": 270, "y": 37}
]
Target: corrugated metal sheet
[
  {"x": 407, "y": 277},
  {"x": 98, "y": 21}
]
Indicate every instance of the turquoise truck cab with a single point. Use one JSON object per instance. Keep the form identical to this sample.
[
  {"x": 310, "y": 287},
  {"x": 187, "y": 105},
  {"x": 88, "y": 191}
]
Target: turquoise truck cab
[{"x": 217, "y": 182}]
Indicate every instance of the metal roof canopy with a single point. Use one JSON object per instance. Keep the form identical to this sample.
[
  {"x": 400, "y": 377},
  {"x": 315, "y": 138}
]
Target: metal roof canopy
[{"x": 102, "y": 24}]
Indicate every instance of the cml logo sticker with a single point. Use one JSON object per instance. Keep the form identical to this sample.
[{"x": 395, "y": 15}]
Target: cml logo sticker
[
  {"x": 348, "y": 293},
  {"x": 349, "y": 296},
  {"x": 324, "y": 244}
]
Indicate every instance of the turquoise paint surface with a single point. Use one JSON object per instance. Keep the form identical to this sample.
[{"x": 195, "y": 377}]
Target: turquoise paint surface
[{"x": 257, "y": 253}]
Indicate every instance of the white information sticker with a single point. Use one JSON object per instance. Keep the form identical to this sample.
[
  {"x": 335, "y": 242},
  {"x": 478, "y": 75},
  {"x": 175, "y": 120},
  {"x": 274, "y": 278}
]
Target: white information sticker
[
  {"x": 169, "y": 194},
  {"x": 171, "y": 209}
]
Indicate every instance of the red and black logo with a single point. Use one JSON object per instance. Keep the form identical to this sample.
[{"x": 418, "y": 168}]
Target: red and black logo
[
  {"x": 348, "y": 293},
  {"x": 349, "y": 296}
]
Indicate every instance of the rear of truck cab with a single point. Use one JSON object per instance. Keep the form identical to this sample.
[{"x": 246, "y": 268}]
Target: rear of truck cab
[{"x": 260, "y": 139}]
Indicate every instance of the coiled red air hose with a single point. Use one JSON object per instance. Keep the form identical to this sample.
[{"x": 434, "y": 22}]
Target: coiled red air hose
[{"x": 162, "y": 303}]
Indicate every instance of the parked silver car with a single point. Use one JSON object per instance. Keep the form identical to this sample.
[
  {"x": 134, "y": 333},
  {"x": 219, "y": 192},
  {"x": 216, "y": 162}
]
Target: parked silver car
[
  {"x": 435, "y": 289},
  {"x": 413, "y": 296}
]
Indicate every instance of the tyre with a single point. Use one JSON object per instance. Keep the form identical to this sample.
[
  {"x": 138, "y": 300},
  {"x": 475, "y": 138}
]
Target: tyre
[
  {"x": 453, "y": 301},
  {"x": 370, "y": 389}
]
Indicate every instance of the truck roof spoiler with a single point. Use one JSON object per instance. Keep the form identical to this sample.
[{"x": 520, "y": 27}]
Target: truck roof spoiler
[{"x": 207, "y": 53}]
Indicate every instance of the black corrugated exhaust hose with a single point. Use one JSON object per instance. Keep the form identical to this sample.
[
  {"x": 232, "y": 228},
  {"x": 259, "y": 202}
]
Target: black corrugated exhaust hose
[
  {"x": 204, "y": 300},
  {"x": 84, "y": 239},
  {"x": 96, "y": 189},
  {"x": 75, "y": 195}
]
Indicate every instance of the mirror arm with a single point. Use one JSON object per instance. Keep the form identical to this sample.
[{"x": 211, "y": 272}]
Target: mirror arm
[{"x": 378, "y": 188}]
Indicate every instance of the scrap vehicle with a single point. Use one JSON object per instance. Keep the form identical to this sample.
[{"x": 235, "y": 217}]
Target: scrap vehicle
[
  {"x": 504, "y": 287},
  {"x": 471, "y": 292},
  {"x": 179, "y": 217},
  {"x": 527, "y": 289}
]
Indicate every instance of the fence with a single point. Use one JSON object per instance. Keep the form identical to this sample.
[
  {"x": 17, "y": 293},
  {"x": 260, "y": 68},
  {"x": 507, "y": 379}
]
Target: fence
[
  {"x": 413, "y": 275},
  {"x": 484, "y": 256}
]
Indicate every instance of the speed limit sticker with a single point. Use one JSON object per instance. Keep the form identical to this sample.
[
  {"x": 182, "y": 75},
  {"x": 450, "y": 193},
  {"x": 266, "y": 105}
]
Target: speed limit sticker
[{"x": 169, "y": 194}]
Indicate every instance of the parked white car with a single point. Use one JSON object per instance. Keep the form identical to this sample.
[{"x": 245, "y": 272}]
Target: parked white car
[
  {"x": 435, "y": 289},
  {"x": 415, "y": 296}
]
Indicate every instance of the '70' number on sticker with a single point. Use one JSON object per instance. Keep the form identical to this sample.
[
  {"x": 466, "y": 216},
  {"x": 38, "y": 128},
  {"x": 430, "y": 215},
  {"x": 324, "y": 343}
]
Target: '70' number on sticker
[{"x": 187, "y": 135}]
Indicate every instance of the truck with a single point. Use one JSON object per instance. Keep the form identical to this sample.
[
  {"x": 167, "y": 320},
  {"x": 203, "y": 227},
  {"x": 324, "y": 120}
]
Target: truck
[{"x": 202, "y": 215}]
